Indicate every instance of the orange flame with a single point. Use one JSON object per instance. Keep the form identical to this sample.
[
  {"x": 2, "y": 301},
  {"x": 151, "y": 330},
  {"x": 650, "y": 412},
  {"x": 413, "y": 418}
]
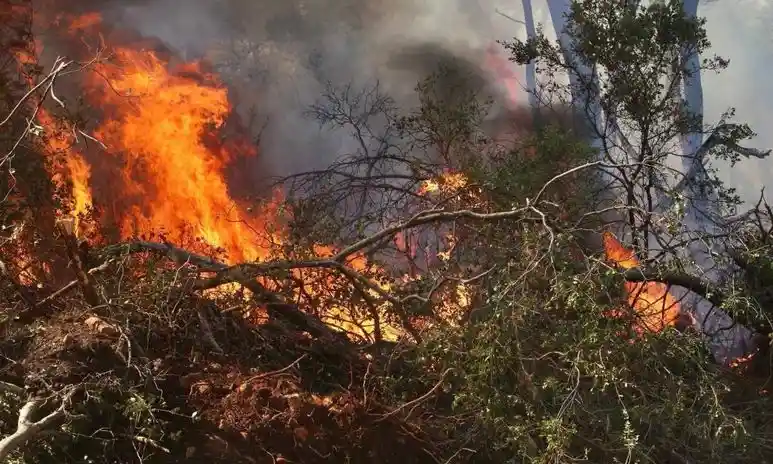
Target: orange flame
[
  {"x": 59, "y": 144},
  {"x": 166, "y": 168},
  {"x": 158, "y": 124},
  {"x": 654, "y": 306},
  {"x": 447, "y": 182}
]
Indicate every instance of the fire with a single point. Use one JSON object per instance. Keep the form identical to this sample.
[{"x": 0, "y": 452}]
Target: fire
[
  {"x": 654, "y": 306},
  {"x": 68, "y": 164},
  {"x": 448, "y": 182},
  {"x": 165, "y": 167},
  {"x": 157, "y": 125},
  {"x": 624, "y": 258}
]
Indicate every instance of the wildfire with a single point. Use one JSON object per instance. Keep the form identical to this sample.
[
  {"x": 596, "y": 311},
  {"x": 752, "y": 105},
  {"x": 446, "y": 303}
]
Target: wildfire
[
  {"x": 654, "y": 306},
  {"x": 172, "y": 179},
  {"x": 160, "y": 166},
  {"x": 68, "y": 164}
]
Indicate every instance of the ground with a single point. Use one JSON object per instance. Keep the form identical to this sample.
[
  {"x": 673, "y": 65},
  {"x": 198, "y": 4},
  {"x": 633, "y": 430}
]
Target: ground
[{"x": 154, "y": 389}]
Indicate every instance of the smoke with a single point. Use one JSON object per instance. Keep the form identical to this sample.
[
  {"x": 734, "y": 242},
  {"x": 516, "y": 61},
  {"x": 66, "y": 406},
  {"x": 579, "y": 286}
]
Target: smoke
[
  {"x": 283, "y": 51},
  {"x": 278, "y": 57}
]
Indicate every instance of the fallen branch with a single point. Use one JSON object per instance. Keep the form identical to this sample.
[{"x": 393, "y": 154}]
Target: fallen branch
[
  {"x": 79, "y": 258},
  {"x": 71, "y": 285},
  {"x": 247, "y": 273},
  {"x": 263, "y": 375},
  {"x": 27, "y": 428},
  {"x": 275, "y": 306}
]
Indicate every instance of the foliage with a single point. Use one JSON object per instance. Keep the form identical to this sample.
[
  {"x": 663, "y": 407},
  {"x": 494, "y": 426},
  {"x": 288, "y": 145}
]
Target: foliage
[
  {"x": 547, "y": 377},
  {"x": 641, "y": 56}
]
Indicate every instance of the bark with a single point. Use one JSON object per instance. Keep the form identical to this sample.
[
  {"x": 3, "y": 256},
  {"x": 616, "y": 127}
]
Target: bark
[
  {"x": 727, "y": 339},
  {"x": 531, "y": 67},
  {"x": 583, "y": 82}
]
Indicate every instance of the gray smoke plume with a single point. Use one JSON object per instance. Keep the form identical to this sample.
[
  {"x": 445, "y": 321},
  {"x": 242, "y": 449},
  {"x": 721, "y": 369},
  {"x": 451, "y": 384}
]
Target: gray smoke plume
[{"x": 278, "y": 56}]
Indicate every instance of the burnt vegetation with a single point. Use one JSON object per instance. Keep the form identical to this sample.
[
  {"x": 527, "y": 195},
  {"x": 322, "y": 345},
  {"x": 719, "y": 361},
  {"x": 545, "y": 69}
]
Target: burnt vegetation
[{"x": 439, "y": 293}]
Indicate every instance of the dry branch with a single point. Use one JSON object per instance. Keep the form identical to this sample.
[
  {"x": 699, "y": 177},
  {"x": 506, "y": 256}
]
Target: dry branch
[
  {"x": 413, "y": 403},
  {"x": 27, "y": 428},
  {"x": 79, "y": 258},
  {"x": 247, "y": 273},
  {"x": 276, "y": 307},
  {"x": 263, "y": 375}
]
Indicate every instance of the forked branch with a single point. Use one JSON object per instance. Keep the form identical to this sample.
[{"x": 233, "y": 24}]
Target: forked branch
[{"x": 27, "y": 427}]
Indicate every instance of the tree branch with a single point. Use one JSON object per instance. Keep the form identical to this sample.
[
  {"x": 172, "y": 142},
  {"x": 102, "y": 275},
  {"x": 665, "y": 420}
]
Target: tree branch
[
  {"x": 690, "y": 282},
  {"x": 27, "y": 428},
  {"x": 274, "y": 304}
]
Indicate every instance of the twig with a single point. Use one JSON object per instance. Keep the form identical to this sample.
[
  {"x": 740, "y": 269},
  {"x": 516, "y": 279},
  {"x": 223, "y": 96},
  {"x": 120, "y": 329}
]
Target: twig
[
  {"x": 418, "y": 400},
  {"x": 72, "y": 284},
  {"x": 151, "y": 442},
  {"x": 274, "y": 304},
  {"x": 276, "y": 372},
  {"x": 59, "y": 66}
]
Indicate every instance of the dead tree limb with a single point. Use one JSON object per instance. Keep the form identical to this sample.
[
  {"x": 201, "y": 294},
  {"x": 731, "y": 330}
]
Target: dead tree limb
[
  {"x": 27, "y": 427},
  {"x": 79, "y": 258},
  {"x": 275, "y": 305},
  {"x": 690, "y": 282}
]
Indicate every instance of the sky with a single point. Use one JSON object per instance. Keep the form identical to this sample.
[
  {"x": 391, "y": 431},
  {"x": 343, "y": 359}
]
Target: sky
[{"x": 740, "y": 30}]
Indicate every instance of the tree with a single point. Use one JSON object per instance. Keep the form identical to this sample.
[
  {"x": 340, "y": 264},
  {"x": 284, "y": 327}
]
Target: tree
[{"x": 634, "y": 72}]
